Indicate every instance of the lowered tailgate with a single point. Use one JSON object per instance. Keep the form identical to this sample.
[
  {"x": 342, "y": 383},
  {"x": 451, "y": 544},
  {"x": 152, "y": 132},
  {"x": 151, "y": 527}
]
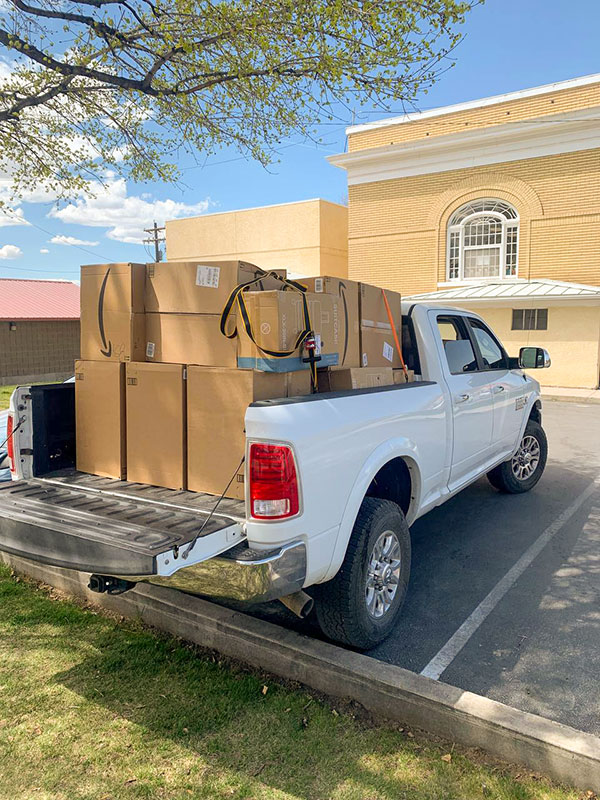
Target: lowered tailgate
[{"x": 109, "y": 527}]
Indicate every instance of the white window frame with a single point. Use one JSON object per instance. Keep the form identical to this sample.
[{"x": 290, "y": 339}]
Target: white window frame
[{"x": 508, "y": 223}]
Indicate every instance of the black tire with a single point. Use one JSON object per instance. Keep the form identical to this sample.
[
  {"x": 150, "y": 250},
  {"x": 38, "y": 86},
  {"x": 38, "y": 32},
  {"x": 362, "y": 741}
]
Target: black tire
[
  {"x": 503, "y": 476},
  {"x": 341, "y": 603}
]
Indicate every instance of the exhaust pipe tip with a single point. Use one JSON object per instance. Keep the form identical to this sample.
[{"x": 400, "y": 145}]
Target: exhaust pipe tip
[{"x": 300, "y": 603}]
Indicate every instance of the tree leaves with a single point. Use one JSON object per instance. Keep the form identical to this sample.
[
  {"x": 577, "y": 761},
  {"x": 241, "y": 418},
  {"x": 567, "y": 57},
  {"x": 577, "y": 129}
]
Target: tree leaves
[{"x": 135, "y": 83}]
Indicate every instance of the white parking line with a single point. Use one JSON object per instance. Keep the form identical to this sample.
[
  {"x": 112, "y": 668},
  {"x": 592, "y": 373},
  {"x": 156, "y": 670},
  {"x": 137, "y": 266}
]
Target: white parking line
[{"x": 458, "y": 640}]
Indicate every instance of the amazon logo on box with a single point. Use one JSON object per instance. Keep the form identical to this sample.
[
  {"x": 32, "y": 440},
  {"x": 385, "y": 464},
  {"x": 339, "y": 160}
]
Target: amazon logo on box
[{"x": 112, "y": 312}]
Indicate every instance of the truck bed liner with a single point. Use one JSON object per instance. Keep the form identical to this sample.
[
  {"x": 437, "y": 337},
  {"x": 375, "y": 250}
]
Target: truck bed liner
[
  {"x": 200, "y": 502},
  {"x": 124, "y": 526}
]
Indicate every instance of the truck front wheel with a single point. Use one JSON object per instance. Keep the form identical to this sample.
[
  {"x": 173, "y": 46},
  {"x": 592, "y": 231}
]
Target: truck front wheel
[
  {"x": 360, "y": 606},
  {"x": 521, "y": 472}
]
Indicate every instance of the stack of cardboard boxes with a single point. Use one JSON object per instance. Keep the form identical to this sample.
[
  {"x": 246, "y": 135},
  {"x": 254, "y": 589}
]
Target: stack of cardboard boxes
[{"x": 161, "y": 392}]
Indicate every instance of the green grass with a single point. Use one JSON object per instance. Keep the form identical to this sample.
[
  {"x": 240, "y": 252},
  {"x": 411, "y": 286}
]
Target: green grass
[
  {"x": 5, "y": 393},
  {"x": 99, "y": 708}
]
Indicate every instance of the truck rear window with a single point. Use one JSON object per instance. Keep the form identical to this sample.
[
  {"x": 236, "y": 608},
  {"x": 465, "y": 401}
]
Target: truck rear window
[{"x": 410, "y": 352}]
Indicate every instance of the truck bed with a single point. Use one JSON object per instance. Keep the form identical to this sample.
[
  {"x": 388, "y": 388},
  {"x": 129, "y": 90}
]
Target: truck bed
[{"x": 127, "y": 527}]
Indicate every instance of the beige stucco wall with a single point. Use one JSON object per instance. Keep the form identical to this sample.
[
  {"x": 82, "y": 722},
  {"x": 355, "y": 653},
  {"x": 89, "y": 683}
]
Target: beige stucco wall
[
  {"x": 307, "y": 238},
  {"x": 572, "y": 340}
]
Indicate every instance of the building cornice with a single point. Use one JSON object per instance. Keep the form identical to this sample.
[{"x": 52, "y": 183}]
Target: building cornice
[
  {"x": 548, "y": 88},
  {"x": 548, "y": 135}
]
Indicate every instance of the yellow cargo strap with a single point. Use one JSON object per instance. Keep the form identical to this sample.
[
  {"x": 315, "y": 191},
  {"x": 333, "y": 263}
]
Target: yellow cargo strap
[{"x": 306, "y": 335}]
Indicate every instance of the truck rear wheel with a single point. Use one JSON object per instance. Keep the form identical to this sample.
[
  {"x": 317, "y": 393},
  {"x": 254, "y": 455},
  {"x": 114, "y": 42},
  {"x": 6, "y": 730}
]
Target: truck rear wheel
[
  {"x": 360, "y": 606},
  {"x": 521, "y": 472}
]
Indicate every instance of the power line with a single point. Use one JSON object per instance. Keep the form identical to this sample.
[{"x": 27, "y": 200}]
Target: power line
[
  {"x": 43, "y": 271},
  {"x": 50, "y": 233}
]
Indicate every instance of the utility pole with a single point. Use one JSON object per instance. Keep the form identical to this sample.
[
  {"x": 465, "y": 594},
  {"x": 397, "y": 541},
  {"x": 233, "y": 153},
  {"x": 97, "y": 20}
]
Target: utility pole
[{"x": 155, "y": 239}]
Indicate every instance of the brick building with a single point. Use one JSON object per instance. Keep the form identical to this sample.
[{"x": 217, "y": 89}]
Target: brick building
[
  {"x": 474, "y": 200},
  {"x": 39, "y": 330}
]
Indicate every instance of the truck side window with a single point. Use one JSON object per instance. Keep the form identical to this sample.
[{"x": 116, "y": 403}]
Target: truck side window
[
  {"x": 492, "y": 354},
  {"x": 457, "y": 345}
]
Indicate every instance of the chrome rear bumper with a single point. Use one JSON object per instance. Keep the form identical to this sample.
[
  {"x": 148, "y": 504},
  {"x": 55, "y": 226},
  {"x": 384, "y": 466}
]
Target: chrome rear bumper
[{"x": 243, "y": 574}]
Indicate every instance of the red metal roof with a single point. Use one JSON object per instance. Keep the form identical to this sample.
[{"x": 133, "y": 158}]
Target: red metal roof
[{"x": 38, "y": 299}]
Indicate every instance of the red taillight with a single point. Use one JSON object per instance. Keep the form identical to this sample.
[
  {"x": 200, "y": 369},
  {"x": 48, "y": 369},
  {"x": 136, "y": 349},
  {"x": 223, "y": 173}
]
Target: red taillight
[
  {"x": 10, "y": 445},
  {"x": 273, "y": 482}
]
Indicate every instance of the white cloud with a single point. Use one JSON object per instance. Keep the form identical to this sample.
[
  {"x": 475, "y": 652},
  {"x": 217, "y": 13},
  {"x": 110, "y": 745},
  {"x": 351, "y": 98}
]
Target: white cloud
[
  {"x": 44, "y": 250},
  {"x": 69, "y": 241},
  {"x": 36, "y": 195},
  {"x": 12, "y": 216},
  {"x": 125, "y": 215},
  {"x": 9, "y": 251}
]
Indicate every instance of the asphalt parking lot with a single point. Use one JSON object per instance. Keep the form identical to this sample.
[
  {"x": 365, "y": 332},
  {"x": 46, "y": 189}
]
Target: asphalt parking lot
[{"x": 504, "y": 598}]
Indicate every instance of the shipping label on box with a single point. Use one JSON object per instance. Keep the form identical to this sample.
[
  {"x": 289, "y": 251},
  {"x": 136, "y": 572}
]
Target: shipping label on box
[
  {"x": 277, "y": 319},
  {"x": 100, "y": 418},
  {"x": 200, "y": 287},
  {"x": 156, "y": 428},
  {"x": 378, "y": 348},
  {"x": 112, "y": 312},
  {"x": 346, "y": 314}
]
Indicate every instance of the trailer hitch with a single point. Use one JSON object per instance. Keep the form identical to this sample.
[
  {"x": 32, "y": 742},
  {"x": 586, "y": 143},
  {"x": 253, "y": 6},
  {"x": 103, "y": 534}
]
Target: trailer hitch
[{"x": 108, "y": 584}]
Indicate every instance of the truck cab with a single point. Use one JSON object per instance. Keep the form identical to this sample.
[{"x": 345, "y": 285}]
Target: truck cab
[{"x": 333, "y": 482}]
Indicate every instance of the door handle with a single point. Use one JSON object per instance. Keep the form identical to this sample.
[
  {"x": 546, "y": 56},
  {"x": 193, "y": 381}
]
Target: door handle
[
  {"x": 498, "y": 389},
  {"x": 462, "y": 398}
]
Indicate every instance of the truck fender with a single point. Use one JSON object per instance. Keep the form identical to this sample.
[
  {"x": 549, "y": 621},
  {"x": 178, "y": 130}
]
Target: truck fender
[
  {"x": 400, "y": 447},
  {"x": 532, "y": 400}
]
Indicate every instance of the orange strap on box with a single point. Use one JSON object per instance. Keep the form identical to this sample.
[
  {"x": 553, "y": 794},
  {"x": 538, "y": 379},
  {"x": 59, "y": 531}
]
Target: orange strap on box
[{"x": 394, "y": 332}]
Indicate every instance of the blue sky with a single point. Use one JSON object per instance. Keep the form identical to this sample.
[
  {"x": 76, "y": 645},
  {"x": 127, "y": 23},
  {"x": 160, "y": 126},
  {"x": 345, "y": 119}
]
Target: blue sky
[{"x": 509, "y": 45}]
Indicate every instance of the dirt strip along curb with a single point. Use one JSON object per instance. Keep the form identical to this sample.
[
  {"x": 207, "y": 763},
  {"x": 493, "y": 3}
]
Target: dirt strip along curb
[{"x": 558, "y": 751}]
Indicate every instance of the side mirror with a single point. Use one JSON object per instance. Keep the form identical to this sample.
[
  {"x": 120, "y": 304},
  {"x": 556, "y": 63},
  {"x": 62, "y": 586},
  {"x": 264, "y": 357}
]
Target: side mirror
[{"x": 534, "y": 358}]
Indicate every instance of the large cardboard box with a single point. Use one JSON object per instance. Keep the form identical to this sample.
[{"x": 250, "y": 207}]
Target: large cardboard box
[
  {"x": 377, "y": 343},
  {"x": 346, "y": 314},
  {"x": 199, "y": 287},
  {"x": 217, "y": 403},
  {"x": 277, "y": 319},
  {"x": 341, "y": 379},
  {"x": 188, "y": 339},
  {"x": 156, "y": 424},
  {"x": 112, "y": 312},
  {"x": 100, "y": 418}
]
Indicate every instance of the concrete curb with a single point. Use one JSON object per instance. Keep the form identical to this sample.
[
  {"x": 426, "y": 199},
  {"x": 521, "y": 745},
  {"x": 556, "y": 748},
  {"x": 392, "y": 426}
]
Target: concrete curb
[
  {"x": 558, "y": 751},
  {"x": 571, "y": 399}
]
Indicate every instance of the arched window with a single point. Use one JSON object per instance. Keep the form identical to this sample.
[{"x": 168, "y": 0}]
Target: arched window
[{"x": 483, "y": 238}]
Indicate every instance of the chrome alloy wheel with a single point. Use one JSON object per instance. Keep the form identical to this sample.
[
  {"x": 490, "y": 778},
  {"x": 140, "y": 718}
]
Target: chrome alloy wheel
[
  {"x": 383, "y": 575},
  {"x": 526, "y": 459}
]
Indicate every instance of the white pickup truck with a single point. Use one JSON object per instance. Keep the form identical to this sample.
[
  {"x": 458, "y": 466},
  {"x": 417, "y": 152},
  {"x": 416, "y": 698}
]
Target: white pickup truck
[{"x": 333, "y": 482}]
